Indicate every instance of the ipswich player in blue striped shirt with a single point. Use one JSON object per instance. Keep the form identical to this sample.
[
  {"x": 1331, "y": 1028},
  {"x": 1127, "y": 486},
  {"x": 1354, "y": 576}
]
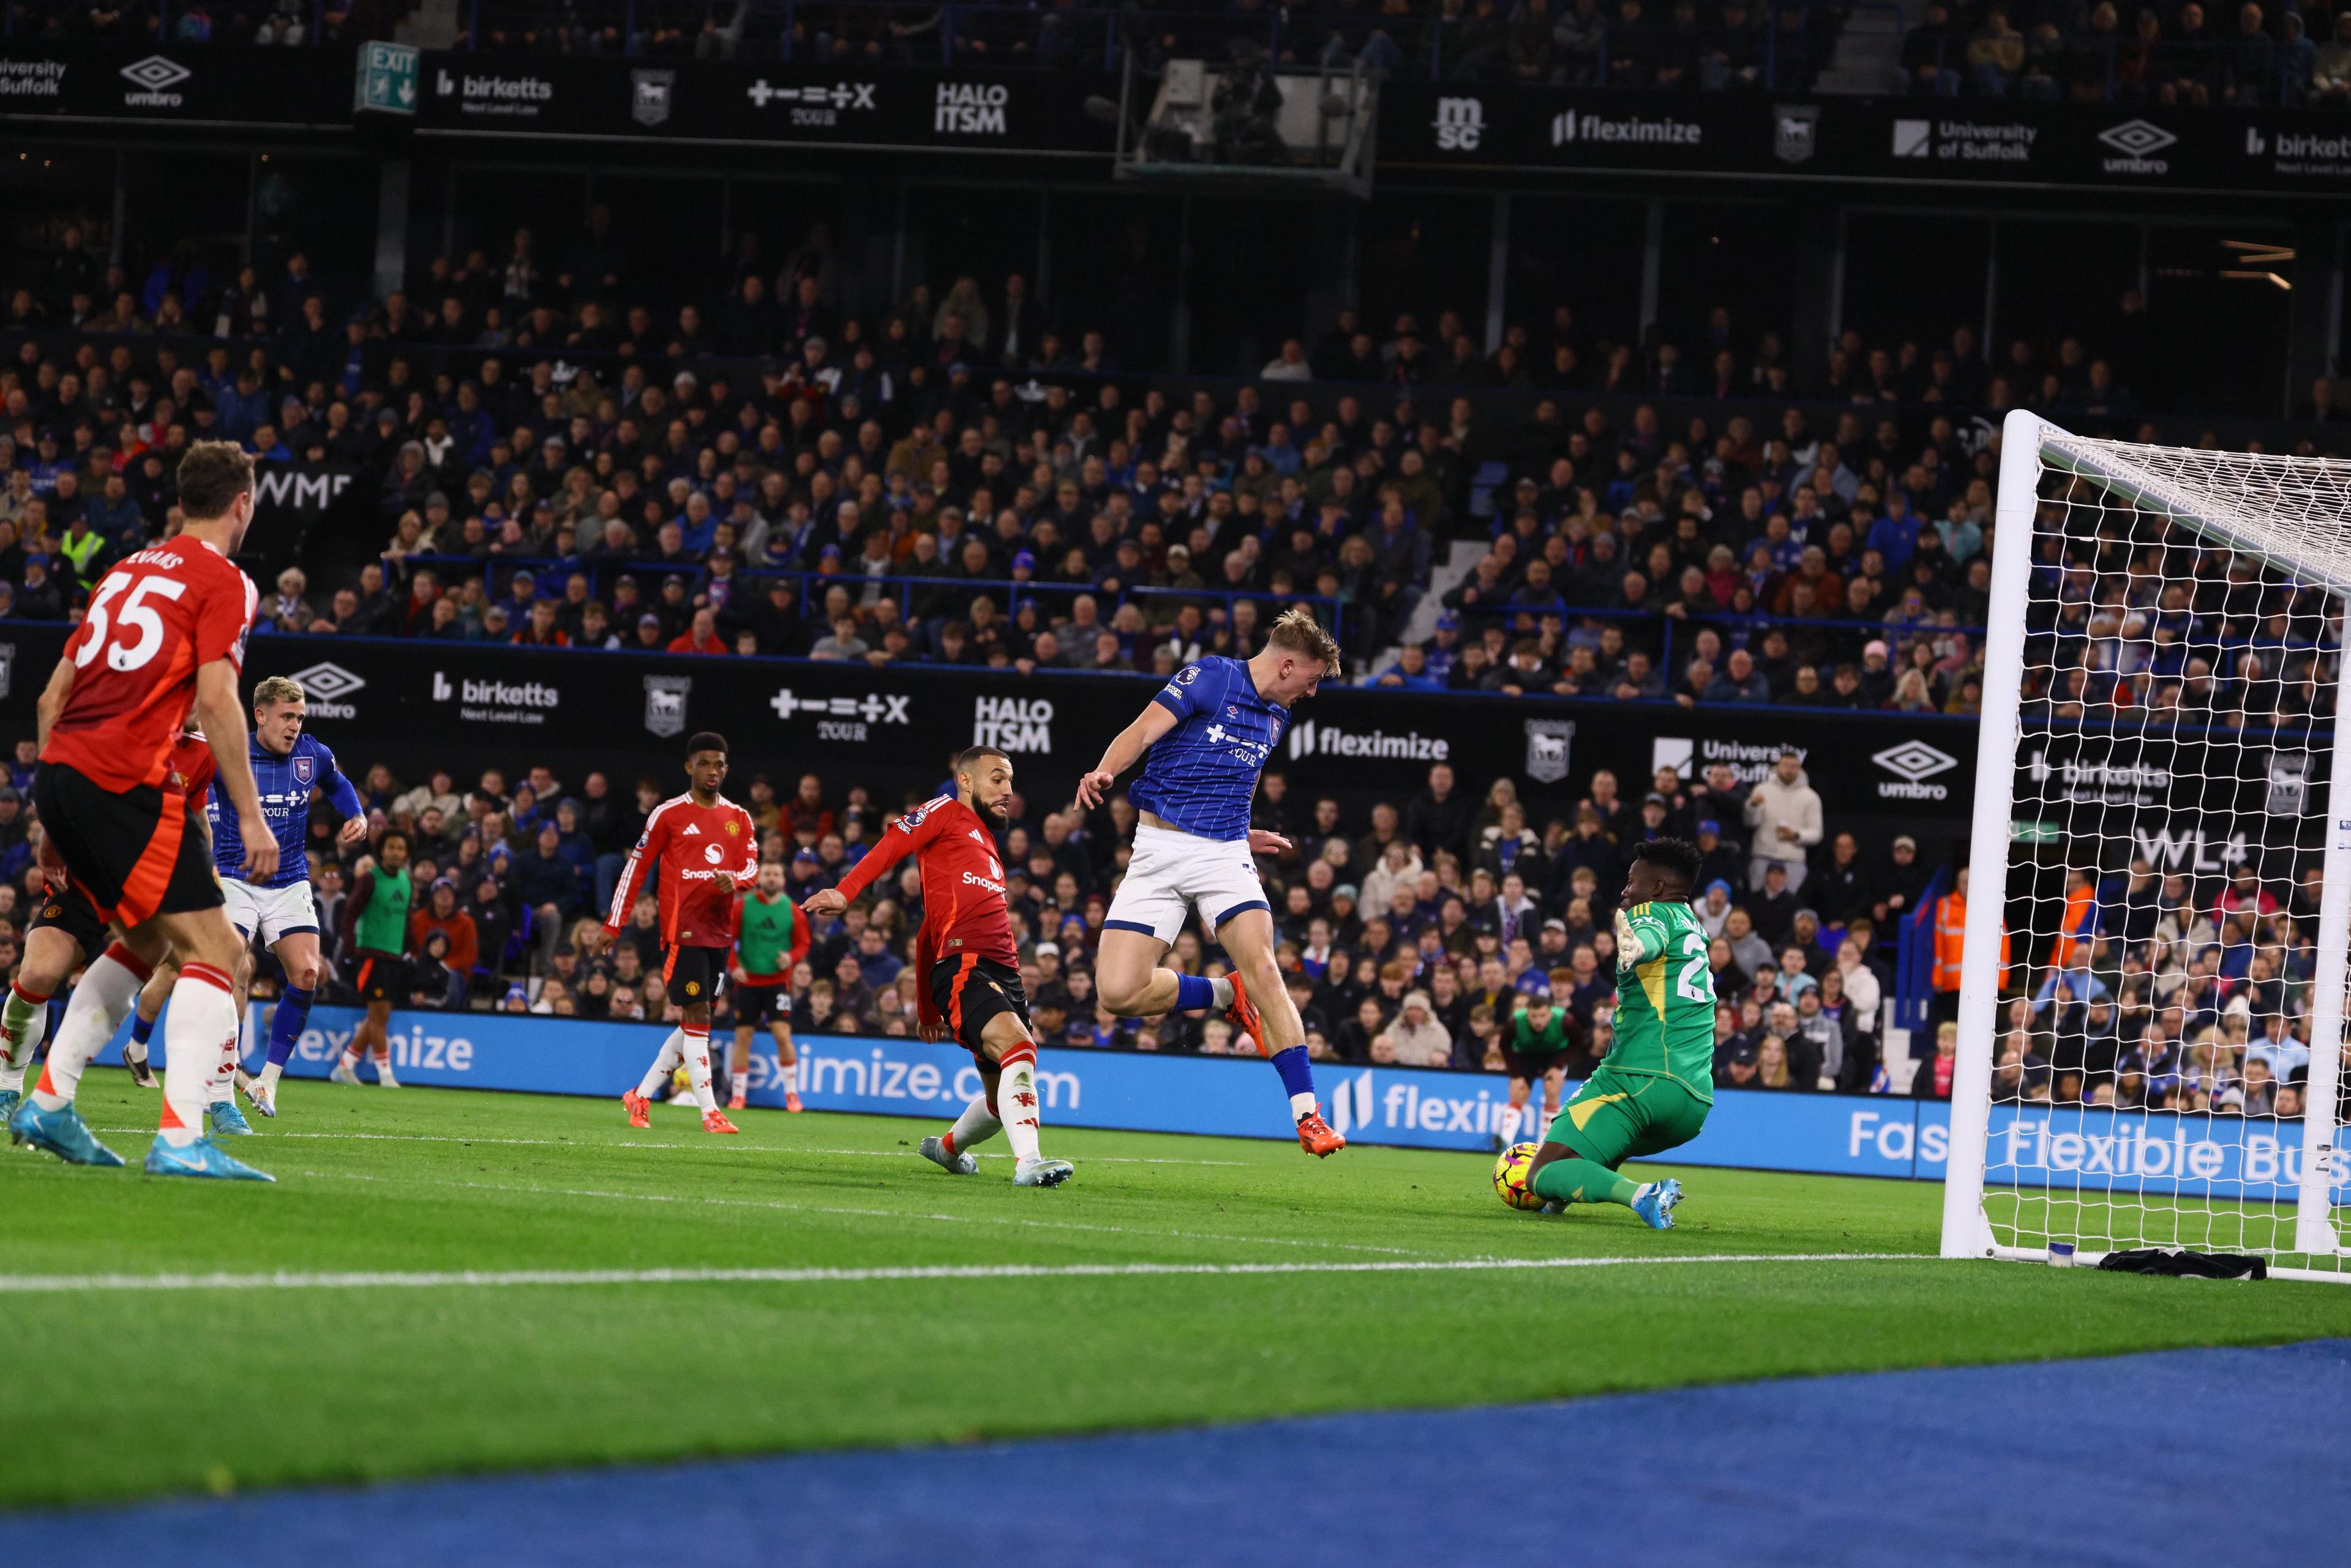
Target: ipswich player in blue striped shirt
[
  {"x": 288, "y": 764},
  {"x": 1204, "y": 740}
]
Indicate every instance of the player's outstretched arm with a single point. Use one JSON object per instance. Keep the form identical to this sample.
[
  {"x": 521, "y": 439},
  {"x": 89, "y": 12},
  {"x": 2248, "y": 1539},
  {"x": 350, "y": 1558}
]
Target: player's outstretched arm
[
  {"x": 1125, "y": 749},
  {"x": 223, "y": 718}
]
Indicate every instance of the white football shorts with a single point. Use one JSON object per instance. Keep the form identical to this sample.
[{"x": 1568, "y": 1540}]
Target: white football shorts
[
  {"x": 273, "y": 912},
  {"x": 1171, "y": 871}
]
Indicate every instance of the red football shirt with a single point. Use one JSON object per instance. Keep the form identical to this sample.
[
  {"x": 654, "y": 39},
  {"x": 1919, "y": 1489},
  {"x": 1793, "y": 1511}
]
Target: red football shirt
[
  {"x": 693, "y": 845},
  {"x": 191, "y": 770},
  {"x": 962, "y": 882},
  {"x": 156, "y": 619}
]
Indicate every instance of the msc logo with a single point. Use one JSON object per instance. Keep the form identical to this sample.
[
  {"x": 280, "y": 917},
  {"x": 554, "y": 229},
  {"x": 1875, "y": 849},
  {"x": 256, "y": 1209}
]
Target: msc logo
[
  {"x": 324, "y": 683},
  {"x": 1460, "y": 124},
  {"x": 1912, "y": 763}
]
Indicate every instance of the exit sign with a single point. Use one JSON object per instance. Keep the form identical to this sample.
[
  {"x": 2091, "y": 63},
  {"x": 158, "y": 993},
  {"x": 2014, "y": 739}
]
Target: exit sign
[{"x": 386, "y": 81}]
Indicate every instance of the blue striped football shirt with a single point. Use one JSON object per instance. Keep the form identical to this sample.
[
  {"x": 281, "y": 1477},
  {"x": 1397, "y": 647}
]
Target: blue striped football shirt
[
  {"x": 1201, "y": 775},
  {"x": 286, "y": 783}
]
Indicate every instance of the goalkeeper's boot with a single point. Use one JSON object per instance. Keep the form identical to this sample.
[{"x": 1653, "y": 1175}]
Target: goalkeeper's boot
[
  {"x": 1042, "y": 1172},
  {"x": 344, "y": 1073},
  {"x": 792, "y": 1103},
  {"x": 227, "y": 1119},
  {"x": 142, "y": 1070},
  {"x": 640, "y": 1109},
  {"x": 714, "y": 1121},
  {"x": 958, "y": 1164},
  {"x": 62, "y": 1131},
  {"x": 262, "y": 1094},
  {"x": 1655, "y": 1203},
  {"x": 1316, "y": 1135},
  {"x": 202, "y": 1159},
  {"x": 1243, "y": 1014}
]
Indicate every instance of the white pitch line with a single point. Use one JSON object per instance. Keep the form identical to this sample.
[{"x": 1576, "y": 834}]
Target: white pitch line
[
  {"x": 23, "y": 1284},
  {"x": 712, "y": 1146},
  {"x": 770, "y": 1203}
]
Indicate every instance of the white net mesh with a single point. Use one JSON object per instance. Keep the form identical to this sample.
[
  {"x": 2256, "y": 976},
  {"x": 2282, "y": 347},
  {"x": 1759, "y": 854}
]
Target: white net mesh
[{"x": 2152, "y": 1049}]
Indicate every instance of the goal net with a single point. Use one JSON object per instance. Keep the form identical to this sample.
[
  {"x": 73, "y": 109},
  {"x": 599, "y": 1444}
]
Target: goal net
[{"x": 2152, "y": 1009}]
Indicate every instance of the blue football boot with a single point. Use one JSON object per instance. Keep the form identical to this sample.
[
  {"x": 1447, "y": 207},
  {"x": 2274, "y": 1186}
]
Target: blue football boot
[
  {"x": 62, "y": 1131},
  {"x": 202, "y": 1159},
  {"x": 226, "y": 1118},
  {"x": 1655, "y": 1203}
]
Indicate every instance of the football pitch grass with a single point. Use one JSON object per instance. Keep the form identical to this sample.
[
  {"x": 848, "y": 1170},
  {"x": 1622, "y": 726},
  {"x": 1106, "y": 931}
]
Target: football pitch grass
[{"x": 444, "y": 1281}]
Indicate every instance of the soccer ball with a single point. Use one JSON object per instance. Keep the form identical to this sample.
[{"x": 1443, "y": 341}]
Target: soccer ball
[{"x": 1511, "y": 1177}]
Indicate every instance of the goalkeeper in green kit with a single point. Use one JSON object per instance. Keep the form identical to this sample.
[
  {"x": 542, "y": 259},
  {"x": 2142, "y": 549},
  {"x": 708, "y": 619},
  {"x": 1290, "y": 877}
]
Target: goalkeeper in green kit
[{"x": 1653, "y": 1090}]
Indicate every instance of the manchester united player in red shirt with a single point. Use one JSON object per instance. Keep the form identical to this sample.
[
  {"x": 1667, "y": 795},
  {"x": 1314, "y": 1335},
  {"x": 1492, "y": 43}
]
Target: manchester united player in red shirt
[
  {"x": 163, "y": 633},
  {"x": 706, "y": 846},
  {"x": 966, "y": 954}
]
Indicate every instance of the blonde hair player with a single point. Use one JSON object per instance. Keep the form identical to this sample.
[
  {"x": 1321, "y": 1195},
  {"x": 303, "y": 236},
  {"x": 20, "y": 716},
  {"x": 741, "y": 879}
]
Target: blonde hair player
[{"x": 1203, "y": 742}]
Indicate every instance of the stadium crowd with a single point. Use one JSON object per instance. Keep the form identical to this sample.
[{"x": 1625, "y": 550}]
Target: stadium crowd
[
  {"x": 946, "y": 484},
  {"x": 2139, "y": 51}
]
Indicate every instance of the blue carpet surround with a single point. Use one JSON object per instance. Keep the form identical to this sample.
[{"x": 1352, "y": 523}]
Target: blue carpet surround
[{"x": 2230, "y": 1456}]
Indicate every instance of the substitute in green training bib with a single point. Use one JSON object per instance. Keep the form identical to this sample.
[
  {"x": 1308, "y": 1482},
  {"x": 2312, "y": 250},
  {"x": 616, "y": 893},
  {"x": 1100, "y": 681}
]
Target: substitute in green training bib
[{"x": 1652, "y": 1090}]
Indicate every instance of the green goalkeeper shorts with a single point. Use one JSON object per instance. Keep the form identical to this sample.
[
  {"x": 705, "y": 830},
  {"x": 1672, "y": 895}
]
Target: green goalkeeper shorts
[{"x": 1619, "y": 1116}]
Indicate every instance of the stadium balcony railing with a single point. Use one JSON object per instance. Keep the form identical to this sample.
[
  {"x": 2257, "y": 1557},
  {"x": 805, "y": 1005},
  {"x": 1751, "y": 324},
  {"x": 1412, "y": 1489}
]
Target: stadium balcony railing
[
  {"x": 602, "y": 572},
  {"x": 548, "y": 573}
]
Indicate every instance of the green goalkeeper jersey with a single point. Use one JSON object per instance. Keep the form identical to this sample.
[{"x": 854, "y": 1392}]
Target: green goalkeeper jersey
[{"x": 1665, "y": 997}]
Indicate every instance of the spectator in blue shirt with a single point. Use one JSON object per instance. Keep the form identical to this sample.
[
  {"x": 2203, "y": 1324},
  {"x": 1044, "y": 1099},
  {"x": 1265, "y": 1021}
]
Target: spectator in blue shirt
[{"x": 1895, "y": 535}]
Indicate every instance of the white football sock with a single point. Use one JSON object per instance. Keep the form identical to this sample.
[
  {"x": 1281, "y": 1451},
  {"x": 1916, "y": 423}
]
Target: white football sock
[
  {"x": 224, "y": 1080},
  {"x": 697, "y": 1067},
  {"x": 673, "y": 1050},
  {"x": 383, "y": 1067},
  {"x": 23, "y": 1024},
  {"x": 109, "y": 990},
  {"x": 1016, "y": 1102},
  {"x": 791, "y": 1077},
  {"x": 1222, "y": 986},
  {"x": 1303, "y": 1105},
  {"x": 198, "y": 1032},
  {"x": 975, "y": 1125},
  {"x": 270, "y": 1072}
]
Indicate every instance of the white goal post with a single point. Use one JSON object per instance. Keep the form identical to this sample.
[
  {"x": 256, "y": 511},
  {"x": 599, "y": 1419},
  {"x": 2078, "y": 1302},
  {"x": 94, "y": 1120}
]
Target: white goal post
[{"x": 2150, "y": 1049}]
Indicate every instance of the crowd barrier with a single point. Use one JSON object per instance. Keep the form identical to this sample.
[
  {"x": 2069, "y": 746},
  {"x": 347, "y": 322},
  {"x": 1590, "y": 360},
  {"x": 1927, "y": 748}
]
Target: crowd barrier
[
  {"x": 1130, "y": 1091},
  {"x": 422, "y": 704}
]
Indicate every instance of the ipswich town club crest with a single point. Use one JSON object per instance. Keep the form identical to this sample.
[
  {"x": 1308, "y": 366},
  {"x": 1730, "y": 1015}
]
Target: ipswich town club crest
[
  {"x": 665, "y": 704},
  {"x": 649, "y": 96},
  {"x": 306, "y": 769},
  {"x": 1547, "y": 742}
]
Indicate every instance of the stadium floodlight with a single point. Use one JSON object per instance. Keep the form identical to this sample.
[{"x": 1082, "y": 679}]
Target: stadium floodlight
[{"x": 2163, "y": 686}]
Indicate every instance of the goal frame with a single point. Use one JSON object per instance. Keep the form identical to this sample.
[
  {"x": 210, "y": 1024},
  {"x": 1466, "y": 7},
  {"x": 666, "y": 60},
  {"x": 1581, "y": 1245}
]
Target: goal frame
[{"x": 2025, "y": 455}]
